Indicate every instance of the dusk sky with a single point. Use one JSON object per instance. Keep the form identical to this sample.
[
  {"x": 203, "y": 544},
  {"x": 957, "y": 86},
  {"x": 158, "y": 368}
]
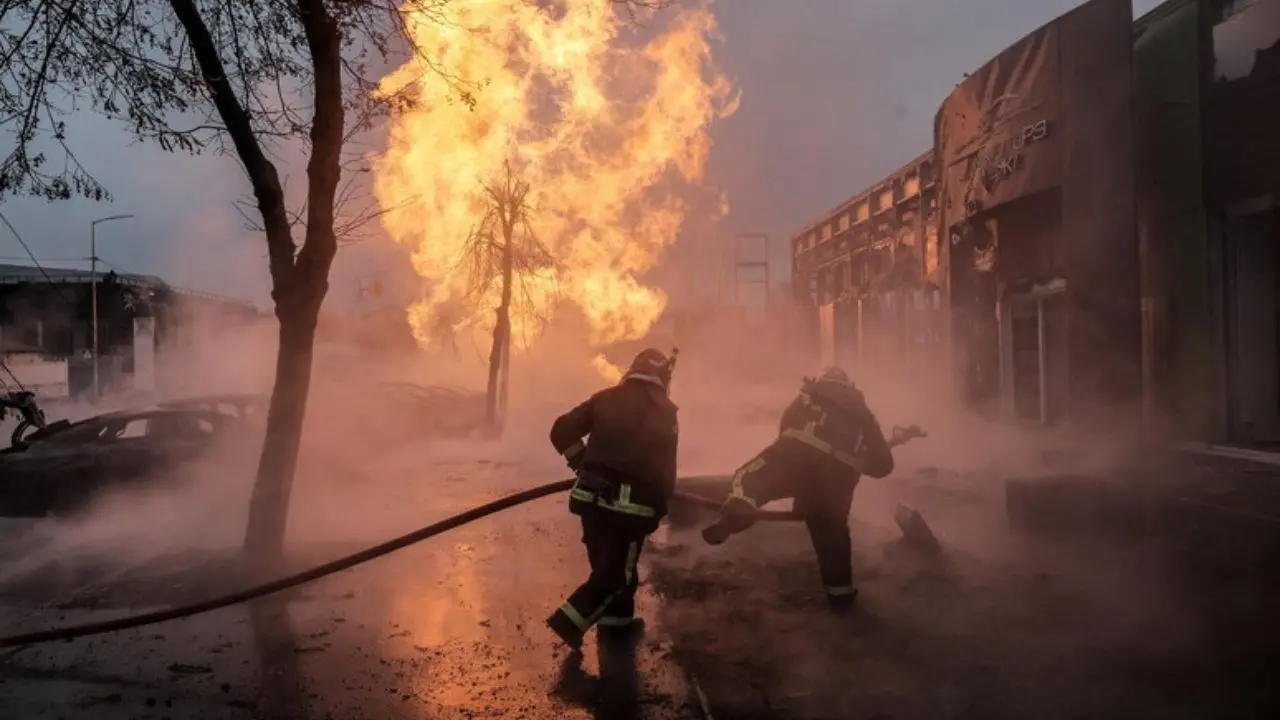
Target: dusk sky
[{"x": 835, "y": 95}]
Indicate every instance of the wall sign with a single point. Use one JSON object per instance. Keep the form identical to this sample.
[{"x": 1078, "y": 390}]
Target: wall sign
[{"x": 997, "y": 161}]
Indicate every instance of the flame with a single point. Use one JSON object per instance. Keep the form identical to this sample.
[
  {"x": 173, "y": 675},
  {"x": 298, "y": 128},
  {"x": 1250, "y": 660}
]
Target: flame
[
  {"x": 610, "y": 372},
  {"x": 606, "y": 129}
]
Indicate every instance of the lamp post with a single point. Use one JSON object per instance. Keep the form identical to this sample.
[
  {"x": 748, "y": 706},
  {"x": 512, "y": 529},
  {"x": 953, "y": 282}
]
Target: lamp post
[{"x": 93, "y": 293}]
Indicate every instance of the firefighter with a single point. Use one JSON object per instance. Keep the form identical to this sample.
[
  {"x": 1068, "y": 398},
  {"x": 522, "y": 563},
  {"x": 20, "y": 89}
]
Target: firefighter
[
  {"x": 828, "y": 438},
  {"x": 626, "y": 475}
]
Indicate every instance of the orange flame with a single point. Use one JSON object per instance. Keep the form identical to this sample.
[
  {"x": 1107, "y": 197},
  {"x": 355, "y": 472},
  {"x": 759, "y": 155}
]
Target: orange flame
[
  {"x": 609, "y": 371},
  {"x": 606, "y": 129}
]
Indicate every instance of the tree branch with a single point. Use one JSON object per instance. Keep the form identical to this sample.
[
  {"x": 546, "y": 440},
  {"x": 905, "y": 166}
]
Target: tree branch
[
  {"x": 262, "y": 173},
  {"x": 324, "y": 169}
]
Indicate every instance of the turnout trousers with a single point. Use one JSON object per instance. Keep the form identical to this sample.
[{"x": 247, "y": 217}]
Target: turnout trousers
[
  {"x": 822, "y": 487},
  {"x": 613, "y": 542}
]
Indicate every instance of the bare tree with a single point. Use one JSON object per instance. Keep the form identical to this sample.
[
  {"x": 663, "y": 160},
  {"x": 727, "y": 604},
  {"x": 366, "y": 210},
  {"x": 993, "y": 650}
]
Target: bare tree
[
  {"x": 234, "y": 76},
  {"x": 504, "y": 250}
]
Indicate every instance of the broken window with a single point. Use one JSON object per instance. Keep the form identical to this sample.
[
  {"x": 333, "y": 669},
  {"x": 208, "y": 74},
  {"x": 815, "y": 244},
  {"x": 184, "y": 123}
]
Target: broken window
[{"x": 134, "y": 429}]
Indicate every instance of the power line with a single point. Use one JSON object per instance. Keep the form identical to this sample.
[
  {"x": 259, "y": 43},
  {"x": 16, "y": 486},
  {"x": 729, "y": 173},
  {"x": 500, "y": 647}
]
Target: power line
[
  {"x": 48, "y": 260},
  {"x": 25, "y": 247},
  {"x": 32, "y": 257}
]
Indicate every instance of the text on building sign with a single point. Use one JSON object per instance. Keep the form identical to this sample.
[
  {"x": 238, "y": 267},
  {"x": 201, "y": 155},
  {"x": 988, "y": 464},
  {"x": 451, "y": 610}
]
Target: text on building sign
[{"x": 997, "y": 161}]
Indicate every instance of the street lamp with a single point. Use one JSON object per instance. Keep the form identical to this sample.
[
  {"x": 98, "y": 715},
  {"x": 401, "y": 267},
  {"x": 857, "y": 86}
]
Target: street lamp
[{"x": 93, "y": 292}]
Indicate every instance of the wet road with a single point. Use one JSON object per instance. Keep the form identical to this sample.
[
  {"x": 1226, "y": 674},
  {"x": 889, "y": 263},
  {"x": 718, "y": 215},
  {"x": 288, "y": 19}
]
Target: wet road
[
  {"x": 453, "y": 628},
  {"x": 450, "y": 628}
]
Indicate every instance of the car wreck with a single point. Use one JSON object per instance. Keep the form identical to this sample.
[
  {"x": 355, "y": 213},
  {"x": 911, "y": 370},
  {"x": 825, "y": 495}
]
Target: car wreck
[
  {"x": 61, "y": 467},
  {"x": 434, "y": 410},
  {"x": 30, "y": 416}
]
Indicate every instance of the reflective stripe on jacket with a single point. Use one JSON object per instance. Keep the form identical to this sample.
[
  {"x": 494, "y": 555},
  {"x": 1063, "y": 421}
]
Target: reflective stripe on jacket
[{"x": 624, "y": 504}]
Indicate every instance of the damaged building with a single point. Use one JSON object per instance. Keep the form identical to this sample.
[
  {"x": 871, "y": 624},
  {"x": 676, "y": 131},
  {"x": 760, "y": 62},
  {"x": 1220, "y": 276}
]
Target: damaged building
[
  {"x": 1037, "y": 208},
  {"x": 1092, "y": 234},
  {"x": 46, "y": 326},
  {"x": 871, "y": 269},
  {"x": 1210, "y": 179}
]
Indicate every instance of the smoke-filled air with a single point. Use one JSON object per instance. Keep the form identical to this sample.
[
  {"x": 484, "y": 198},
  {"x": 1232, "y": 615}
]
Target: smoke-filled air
[
  {"x": 604, "y": 119},
  {"x": 639, "y": 359}
]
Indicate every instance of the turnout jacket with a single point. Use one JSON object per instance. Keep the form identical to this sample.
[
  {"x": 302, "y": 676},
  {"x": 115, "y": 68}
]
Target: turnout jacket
[
  {"x": 833, "y": 418},
  {"x": 633, "y": 433}
]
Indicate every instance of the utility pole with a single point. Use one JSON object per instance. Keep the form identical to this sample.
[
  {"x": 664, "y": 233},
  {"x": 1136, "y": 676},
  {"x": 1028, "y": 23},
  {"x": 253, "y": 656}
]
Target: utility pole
[
  {"x": 739, "y": 265},
  {"x": 93, "y": 294}
]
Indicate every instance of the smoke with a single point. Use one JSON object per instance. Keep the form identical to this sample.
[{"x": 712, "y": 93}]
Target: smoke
[
  {"x": 374, "y": 457},
  {"x": 371, "y": 469}
]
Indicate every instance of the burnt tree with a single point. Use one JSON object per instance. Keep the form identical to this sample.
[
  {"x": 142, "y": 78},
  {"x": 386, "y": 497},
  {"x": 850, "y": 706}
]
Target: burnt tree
[{"x": 503, "y": 255}]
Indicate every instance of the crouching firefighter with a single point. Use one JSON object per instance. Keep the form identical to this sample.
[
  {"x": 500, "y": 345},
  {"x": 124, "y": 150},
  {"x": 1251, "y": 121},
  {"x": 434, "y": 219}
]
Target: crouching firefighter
[
  {"x": 828, "y": 438},
  {"x": 626, "y": 475}
]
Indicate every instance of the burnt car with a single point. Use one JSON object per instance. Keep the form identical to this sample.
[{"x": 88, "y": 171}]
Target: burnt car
[
  {"x": 246, "y": 407},
  {"x": 408, "y": 411},
  {"x": 23, "y": 404},
  {"x": 62, "y": 467}
]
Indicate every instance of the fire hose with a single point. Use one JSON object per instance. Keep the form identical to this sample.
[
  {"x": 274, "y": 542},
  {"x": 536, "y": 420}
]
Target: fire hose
[{"x": 338, "y": 565}]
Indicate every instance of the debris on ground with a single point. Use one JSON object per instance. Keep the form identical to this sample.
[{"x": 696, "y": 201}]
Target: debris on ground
[{"x": 915, "y": 531}]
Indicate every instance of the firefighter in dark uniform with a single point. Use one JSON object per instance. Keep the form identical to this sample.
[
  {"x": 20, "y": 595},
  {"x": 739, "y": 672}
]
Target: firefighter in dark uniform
[
  {"x": 827, "y": 440},
  {"x": 626, "y": 475}
]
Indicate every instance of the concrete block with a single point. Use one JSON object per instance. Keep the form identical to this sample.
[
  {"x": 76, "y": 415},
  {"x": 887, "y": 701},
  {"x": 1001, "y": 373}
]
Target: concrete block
[{"x": 916, "y": 533}]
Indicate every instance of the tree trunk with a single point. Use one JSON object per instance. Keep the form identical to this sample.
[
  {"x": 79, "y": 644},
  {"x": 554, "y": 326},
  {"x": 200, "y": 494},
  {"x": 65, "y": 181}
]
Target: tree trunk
[
  {"x": 265, "y": 534},
  {"x": 299, "y": 297},
  {"x": 508, "y": 279},
  {"x": 299, "y": 282},
  {"x": 273, "y": 484},
  {"x": 491, "y": 390},
  {"x": 504, "y": 383}
]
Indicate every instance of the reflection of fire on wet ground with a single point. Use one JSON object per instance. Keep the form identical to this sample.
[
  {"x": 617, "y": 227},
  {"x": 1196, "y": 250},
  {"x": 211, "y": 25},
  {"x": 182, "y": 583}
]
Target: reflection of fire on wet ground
[
  {"x": 453, "y": 628},
  {"x": 450, "y": 628}
]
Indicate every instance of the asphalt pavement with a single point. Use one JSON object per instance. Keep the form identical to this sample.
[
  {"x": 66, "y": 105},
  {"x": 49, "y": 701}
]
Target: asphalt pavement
[{"x": 452, "y": 628}]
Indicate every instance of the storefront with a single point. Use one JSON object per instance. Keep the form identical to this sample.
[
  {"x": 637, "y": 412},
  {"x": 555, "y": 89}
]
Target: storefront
[{"x": 1035, "y": 151}]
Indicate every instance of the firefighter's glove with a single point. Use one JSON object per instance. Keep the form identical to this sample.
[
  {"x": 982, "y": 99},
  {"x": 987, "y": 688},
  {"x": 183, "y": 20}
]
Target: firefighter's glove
[
  {"x": 602, "y": 487},
  {"x": 574, "y": 456},
  {"x": 904, "y": 435}
]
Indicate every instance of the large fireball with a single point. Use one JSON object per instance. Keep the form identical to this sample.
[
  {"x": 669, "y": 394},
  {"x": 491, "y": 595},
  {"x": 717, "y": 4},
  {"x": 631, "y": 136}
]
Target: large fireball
[{"x": 607, "y": 120}]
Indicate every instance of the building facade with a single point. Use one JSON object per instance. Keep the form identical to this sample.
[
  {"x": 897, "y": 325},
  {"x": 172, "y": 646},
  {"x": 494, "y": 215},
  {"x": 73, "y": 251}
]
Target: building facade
[
  {"x": 870, "y": 270},
  {"x": 1037, "y": 175},
  {"x": 49, "y": 312},
  {"x": 1105, "y": 194}
]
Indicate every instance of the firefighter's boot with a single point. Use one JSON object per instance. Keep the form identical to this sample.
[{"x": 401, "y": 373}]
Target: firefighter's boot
[
  {"x": 844, "y": 602},
  {"x": 737, "y": 515},
  {"x": 566, "y": 629}
]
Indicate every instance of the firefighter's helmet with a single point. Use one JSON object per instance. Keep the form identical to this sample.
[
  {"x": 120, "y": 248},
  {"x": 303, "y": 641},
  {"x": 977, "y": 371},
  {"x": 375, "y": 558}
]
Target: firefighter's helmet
[
  {"x": 652, "y": 362},
  {"x": 834, "y": 374}
]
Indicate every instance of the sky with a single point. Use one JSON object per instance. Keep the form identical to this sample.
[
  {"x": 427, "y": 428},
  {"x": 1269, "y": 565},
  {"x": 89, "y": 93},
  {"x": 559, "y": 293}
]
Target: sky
[{"x": 836, "y": 94}]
